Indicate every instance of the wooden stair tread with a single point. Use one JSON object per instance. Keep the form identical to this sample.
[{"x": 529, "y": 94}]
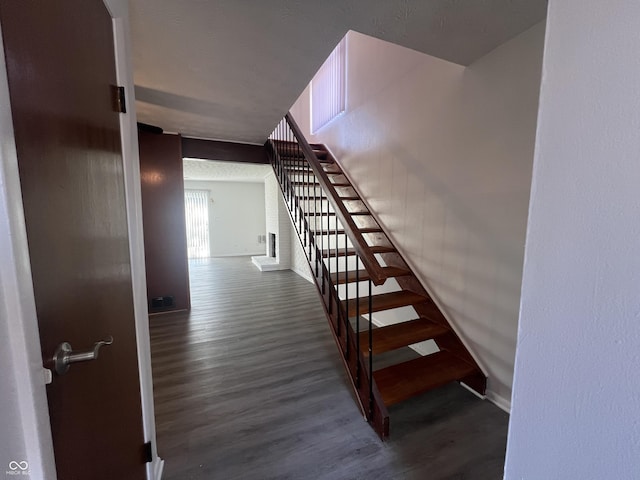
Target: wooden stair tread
[
  {"x": 385, "y": 301},
  {"x": 401, "y": 335},
  {"x": 351, "y": 251},
  {"x": 405, "y": 380},
  {"x": 349, "y": 198},
  {"x": 362, "y": 275}
]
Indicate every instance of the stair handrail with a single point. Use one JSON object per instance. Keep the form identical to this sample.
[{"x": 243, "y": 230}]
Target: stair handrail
[{"x": 374, "y": 269}]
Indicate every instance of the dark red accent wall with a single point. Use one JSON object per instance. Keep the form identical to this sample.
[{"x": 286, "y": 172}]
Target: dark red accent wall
[
  {"x": 165, "y": 241},
  {"x": 223, "y": 151}
]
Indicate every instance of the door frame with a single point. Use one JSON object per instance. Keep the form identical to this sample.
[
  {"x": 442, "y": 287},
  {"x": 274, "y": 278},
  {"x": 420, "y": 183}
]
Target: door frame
[{"x": 27, "y": 411}]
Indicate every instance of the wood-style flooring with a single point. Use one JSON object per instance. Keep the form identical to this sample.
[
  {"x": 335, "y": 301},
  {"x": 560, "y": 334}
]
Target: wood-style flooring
[{"x": 249, "y": 385}]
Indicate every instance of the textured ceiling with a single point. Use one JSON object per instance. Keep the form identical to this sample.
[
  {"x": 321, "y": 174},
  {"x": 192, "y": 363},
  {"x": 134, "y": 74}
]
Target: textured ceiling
[
  {"x": 224, "y": 171},
  {"x": 230, "y": 69}
]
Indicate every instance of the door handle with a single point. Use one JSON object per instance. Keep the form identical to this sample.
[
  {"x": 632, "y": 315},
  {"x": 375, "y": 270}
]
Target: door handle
[{"x": 64, "y": 355}]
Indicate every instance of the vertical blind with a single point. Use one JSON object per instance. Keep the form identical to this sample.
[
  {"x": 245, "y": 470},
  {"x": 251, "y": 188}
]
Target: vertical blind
[
  {"x": 196, "y": 208},
  {"x": 328, "y": 88}
]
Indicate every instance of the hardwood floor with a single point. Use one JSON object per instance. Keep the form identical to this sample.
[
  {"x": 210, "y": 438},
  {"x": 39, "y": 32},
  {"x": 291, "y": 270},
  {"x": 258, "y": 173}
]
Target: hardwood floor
[{"x": 249, "y": 385}]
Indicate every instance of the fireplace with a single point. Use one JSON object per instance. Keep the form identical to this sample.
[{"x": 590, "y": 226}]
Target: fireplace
[{"x": 272, "y": 245}]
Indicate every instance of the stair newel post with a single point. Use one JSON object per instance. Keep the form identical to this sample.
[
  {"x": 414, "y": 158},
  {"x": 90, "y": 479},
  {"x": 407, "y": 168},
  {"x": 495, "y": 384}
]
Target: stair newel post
[
  {"x": 357, "y": 320},
  {"x": 370, "y": 351},
  {"x": 346, "y": 289}
]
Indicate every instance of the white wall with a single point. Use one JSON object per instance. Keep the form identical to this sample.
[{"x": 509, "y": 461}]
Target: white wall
[
  {"x": 299, "y": 263},
  {"x": 236, "y": 216},
  {"x": 278, "y": 221},
  {"x": 443, "y": 155},
  {"x": 576, "y": 400}
]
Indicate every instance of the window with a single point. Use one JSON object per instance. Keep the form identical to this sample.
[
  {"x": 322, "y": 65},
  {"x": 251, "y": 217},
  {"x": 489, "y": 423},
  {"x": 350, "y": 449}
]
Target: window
[
  {"x": 196, "y": 208},
  {"x": 328, "y": 88}
]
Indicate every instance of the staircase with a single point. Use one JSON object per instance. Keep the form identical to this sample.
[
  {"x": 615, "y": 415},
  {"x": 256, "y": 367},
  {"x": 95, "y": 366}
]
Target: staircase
[{"x": 353, "y": 263}]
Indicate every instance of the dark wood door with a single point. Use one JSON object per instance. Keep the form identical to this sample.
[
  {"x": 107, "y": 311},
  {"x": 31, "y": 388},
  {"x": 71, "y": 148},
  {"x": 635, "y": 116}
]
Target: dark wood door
[{"x": 61, "y": 66}]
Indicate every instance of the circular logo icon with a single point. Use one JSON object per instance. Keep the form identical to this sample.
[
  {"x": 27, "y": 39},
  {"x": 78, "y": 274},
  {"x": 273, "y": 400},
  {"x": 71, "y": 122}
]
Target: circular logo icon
[{"x": 13, "y": 465}]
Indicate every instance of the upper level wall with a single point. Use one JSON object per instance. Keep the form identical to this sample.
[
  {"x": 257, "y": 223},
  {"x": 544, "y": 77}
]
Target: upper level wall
[{"x": 443, "y": 156}]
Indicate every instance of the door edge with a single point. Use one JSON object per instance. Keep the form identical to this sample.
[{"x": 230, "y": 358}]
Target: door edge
[{"x": 119, "y": 12}]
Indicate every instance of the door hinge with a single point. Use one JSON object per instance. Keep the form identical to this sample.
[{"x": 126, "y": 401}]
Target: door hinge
[
  {"x": 148, "y": 452},
  {"x": 119, "y": 99}
]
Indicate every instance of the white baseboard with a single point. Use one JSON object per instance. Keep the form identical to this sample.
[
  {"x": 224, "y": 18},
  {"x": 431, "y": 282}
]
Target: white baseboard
[
  {"x": 499, "y": 401},
  {"x": 306, "y": 274},
  {"x": 156, "y": 469},
  {"x": 467, "y": 387},
  {"x": 243, "y": 254}
]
